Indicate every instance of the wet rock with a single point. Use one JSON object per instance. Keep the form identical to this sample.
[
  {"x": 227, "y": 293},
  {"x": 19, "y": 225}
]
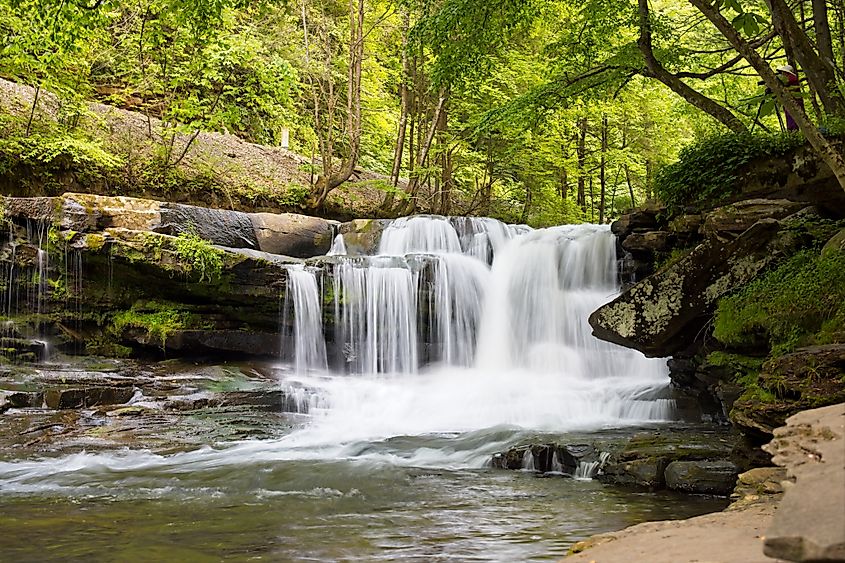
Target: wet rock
[
  {"x": 20, "y": 400},
  {"x": 701, "y": 477},
  {"x": 273, "y": 400},
  {"x": 225, "y": 341},
  {"x": 645, "y": 457},
  {"x": 102, "y": 212},
  {"x": 23, "y": 349},
  {"x": 76, "y": 217},
  {"x": 651, "y": 241},
  {"x": 664, "y": 313},
  {"x": 219, "y": 226},
  {"x": 362, "y": 236},
  {"x": 647, "y": 473},
  {"x": 88, "y": 397},
  {"x": 808, "y": 523},
  {"x": 34, "y": 208},
  {"x": 731, "y": 220},
  {"x": 290, "y": 234}
]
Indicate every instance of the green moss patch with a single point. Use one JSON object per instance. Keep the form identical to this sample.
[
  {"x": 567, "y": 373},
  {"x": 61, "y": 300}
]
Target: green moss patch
[{"x": 800, "y": 303}]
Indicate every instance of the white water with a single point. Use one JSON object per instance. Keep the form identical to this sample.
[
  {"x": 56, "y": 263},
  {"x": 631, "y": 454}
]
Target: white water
[
  {"x": 514, "y": 355},
  {"x": 440, "y": 343}
]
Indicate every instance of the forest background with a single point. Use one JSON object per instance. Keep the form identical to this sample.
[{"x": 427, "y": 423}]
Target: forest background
[{"x": 531, "y": 111}]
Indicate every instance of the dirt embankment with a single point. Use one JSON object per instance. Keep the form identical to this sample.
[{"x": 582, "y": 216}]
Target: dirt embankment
[{"x": 217, "y": 170}]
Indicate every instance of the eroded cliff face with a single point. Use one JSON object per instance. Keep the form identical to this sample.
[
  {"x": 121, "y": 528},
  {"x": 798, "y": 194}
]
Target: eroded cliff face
[{"x": 678, "y": 269}]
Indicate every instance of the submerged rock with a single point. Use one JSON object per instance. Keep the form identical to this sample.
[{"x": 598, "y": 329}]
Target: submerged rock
[{"x": 701, "y": 477}]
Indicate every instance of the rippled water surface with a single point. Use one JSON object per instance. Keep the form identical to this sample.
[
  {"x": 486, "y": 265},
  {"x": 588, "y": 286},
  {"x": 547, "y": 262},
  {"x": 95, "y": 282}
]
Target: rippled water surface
[{"x": 246, "y": 502}]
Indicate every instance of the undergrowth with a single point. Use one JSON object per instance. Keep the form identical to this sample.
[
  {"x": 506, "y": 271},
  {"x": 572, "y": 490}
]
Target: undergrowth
[
  {"x": 800, "y": 303},
  {"x": 198, "y": 256},
  {"x": 707, "y": 171}
]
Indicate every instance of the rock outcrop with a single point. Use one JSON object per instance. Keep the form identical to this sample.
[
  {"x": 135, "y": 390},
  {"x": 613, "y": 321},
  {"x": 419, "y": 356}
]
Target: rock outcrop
[{"x": 117, "y": 276}]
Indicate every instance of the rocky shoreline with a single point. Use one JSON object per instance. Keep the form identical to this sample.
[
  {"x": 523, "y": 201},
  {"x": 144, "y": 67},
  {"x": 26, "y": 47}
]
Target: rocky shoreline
[{"x": 763, "y": 524}]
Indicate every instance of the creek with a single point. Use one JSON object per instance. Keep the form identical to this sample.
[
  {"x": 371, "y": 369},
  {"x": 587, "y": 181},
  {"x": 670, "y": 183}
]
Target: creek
[{"x": 456, "y": 340}]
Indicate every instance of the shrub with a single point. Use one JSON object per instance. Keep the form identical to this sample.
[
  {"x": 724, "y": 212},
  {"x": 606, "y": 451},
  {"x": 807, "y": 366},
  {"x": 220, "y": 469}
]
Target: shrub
[
  {"x": 707, "y": 171},
  {"x": 197, "y": 255}
]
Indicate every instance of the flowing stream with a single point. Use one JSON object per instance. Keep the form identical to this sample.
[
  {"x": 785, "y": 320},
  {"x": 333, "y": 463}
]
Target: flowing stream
[{"x": 458, "y": 339}]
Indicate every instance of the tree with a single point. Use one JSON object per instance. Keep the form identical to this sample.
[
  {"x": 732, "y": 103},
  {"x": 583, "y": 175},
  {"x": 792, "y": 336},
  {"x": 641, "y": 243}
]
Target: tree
[{"x": 831, "y": 156}]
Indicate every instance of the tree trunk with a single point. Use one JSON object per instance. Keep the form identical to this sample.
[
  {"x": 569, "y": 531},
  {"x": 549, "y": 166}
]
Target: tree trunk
[
  {"x": 414, "y": 183},
  {"x": 630, "y": 185},
  {"x": 603, "y": 168},
  {"x": 694, "y": 97},
  {"x": 822, "y": 25},
  {"x": 832, "y": 157},
  {"x": 404, "y": 95},
  {"x": 332, "y": 179},
  {"x": 821, "y": 75},
  {"x": 581, "y": 154},
  {"x": 647, "y": 179}
]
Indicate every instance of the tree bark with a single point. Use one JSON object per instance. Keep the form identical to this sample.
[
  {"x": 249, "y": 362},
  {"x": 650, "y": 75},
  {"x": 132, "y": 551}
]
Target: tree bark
[
  {"x": 603, "y": 169},
  {"x": 821, "y": 75},
  {"x": 656, "y": 70},
  {"x": 832, "y": 157},
  {"x": 822, "y": 25},
  {"x": 581, "y": 154}
]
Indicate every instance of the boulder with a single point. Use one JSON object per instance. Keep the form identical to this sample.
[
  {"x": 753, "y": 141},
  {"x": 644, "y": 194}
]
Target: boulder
[
  {"x": 701, "y": 477},
  {"x": 733, "y": 219},
  {"x": 219, "y": 226},
  {"x": 225, "y": 341},
  {"x": 35, "y": 208},
  {"x": 806, "y": 378},
  {"x": 633, "y": 222},
  {"x": 666, "y": 312},
  {"x": 835, "y": 244},
  {"x": 362, "y": 236},
  {"x": 87, "y": 397},
  {"x": 808, "y": 525},
  {"x": 84, "y": 212},
  {"x": 686, "y": 225},
  {"x": 19, "y": 400},
  {"x": 651, "y": 241},
  {"x": 290, "y": 234}
]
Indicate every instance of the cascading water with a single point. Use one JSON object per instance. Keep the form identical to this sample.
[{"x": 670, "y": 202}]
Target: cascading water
[
  {"x": 507, "y": 345},
  {"x": 459, "y": 339},
  {"x": 302, "y": 298}
]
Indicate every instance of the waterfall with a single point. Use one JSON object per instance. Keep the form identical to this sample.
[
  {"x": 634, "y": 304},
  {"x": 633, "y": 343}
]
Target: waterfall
[
  {"x": 458, "y": 324},
  {"x": 303, "y": 298},
  {"x": 588, "y": 469},
  {"x": 528, "y": 461}
]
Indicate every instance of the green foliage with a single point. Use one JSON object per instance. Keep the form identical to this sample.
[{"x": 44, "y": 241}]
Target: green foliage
[
  {"x": 57, "y": 152},
  {"x": 158, "y": 324},
  {"x": 707, "y": 171},
  {"x": 198, "y": 256},
  {"x": 802, "y": 302}
]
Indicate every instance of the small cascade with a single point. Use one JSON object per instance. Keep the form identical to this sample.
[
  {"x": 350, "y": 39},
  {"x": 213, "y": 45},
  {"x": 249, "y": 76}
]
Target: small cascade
[
  {"x": 338, "y": 247},
  {"x": 376, "y": 315},
  {"x": 303, "y": 299},
  {"x": 588, "y": 469},
  {"x": 557, "y": 466},
  {"x": 528, "y": 461}
]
